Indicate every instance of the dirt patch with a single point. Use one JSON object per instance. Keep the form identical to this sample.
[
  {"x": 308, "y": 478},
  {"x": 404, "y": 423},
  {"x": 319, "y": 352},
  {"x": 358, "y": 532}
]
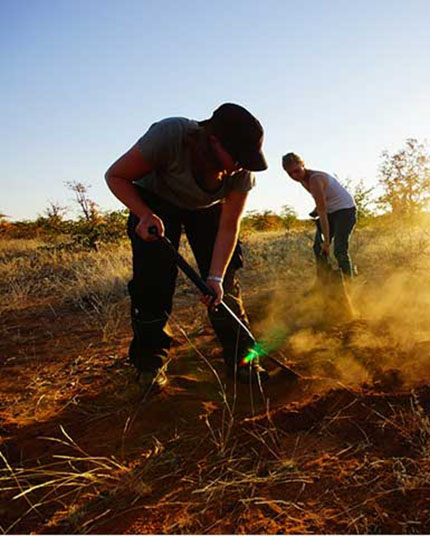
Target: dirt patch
[{"x": 335, "y": 452}]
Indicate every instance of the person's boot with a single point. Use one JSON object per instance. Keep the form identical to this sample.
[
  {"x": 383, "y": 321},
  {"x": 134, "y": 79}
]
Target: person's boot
[{"x": 153, "y": 380}]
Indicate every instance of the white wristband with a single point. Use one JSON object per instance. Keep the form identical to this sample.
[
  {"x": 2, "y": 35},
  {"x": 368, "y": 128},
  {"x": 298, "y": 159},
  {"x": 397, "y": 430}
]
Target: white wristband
[{"x": 215, "y": 278}]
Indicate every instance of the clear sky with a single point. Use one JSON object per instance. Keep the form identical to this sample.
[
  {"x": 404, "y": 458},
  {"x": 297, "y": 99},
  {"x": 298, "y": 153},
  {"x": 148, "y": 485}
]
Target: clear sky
[{"x": 334, "y": 80}]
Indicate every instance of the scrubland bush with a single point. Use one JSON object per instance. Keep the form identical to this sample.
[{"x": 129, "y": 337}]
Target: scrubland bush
[{"x": 269, "y": 220}]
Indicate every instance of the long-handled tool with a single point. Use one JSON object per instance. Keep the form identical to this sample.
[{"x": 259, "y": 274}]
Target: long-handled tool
[{"x": 208, "y": 291}]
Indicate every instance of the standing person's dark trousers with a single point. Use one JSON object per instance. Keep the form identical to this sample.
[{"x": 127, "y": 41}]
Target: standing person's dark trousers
[
  {"x": 341, "y": 225},
  {"x": 153, "y": 284}
]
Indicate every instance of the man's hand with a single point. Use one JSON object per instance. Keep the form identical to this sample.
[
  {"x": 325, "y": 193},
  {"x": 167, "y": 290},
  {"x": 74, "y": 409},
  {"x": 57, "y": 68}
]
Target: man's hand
[
  {"x": 213, "y": 301},
  {"x": 325, "y": 249},
  {"x": 146, "y": 221}
]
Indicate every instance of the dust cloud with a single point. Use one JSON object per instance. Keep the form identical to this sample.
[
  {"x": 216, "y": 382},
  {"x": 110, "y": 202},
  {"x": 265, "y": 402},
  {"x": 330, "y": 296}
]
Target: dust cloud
[{"x": 386, "y": 341}]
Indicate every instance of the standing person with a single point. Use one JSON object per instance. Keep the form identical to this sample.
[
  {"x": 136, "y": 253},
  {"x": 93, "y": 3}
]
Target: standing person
[
  {"x": 194, "y": 175},
  {"x": 335, "y": 208}
]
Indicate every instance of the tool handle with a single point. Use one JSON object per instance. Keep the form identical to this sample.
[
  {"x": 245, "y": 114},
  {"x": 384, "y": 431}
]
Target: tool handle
[
  {"x": 184, "y": 266},
  {"x": 208, "y": 291},
  {"x": 153, "y": 230}
]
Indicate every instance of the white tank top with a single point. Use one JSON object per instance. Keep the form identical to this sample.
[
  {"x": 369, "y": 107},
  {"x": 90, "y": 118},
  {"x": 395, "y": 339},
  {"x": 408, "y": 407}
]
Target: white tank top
[{"x": 336, "y": 196}]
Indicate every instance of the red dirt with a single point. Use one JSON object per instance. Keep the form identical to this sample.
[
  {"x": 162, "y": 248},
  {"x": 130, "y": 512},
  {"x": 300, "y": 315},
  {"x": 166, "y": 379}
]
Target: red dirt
[{"x": 317, "y": 456}]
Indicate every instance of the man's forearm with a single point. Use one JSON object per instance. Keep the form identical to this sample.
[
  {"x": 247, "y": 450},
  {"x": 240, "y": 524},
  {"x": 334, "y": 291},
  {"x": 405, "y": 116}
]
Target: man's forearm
[
  {"x": 128, "y": 194},
  {"x": 223, "y": 250},
  {"x": 325, "y": 227}
]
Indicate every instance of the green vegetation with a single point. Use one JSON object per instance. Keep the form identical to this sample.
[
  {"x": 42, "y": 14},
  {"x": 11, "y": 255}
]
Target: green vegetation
[
  {"x": 404, "y": 192},
  {"x": 405, "y": 179},
  {"x": 91, "y": 228}
]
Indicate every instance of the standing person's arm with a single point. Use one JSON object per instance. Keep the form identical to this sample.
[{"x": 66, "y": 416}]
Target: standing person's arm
[
  {"x": 225, "y": 242},
  {"x": 120, "y": 176},
  {"x": 316, "y": 188}
]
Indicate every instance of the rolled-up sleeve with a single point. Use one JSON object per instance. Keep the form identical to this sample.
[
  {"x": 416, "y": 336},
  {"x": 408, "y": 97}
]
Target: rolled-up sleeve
[{"x": 243, "y": 181}]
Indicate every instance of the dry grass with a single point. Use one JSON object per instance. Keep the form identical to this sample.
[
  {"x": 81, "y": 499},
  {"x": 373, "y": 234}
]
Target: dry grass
[
  {"x": 352, "y": 460},
  {"x": 32, "y": 272},
  {"x": 73, "y": 484}
]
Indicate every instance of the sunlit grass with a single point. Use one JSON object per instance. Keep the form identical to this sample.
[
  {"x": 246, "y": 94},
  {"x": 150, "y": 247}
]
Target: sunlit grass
[{"x": 247, "y": 464}]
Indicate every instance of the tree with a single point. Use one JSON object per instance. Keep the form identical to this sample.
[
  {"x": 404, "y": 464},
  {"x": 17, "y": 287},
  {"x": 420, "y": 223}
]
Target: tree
[
  {"x": 53, "y": 218},
  {"x": 405, "y": 179},
  {"x": 364, "y": 200},
  {"x": 54, "y": 211},
  {"x": 89, "y": 207},
  {"x": 288, "y": 216},
  {"x": 87, "y": 230}
]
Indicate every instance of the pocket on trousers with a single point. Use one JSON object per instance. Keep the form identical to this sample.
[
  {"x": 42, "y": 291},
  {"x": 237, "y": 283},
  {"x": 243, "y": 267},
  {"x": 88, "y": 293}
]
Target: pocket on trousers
[
  {"x": 237, "y": 258},
  {"x": 132, "y": 222}
]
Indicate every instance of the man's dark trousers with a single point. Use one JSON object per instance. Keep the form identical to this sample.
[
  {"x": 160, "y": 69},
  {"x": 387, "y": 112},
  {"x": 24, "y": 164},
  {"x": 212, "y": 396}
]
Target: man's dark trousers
[
  {"x": 341, "y": 223},
  {"x": 153, "y": 284}
]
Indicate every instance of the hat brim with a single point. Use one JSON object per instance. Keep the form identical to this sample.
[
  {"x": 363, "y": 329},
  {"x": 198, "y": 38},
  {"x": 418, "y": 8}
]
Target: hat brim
[{"x": 254, "y": 161}]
